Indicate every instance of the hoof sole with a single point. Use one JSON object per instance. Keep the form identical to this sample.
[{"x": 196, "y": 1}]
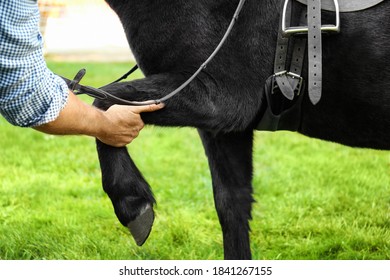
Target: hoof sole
[{"x": 141, "y": 227}]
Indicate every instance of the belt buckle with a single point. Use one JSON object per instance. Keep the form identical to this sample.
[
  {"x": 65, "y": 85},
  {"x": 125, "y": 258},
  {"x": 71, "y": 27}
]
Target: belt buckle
[{"x": 298, "y": 87}]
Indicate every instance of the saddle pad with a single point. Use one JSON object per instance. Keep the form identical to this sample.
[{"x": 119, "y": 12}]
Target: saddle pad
[{"x": 346, "y": 5}]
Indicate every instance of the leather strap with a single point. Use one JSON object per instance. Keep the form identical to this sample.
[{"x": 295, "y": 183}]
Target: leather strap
[
  {"x": 282, "y": 46},
  {"x": 280, "y": 62},
  {"x": 281, "y": 53},
  {"x": 314, "y": 50},
  {"x": 346, "y": 5},
  {"x": 277, "y": 115},
  {"x": 288, "y": 82},
  {"x": 298, "y": 56},
  {"x": 76, "y": 80},
  {"x": 284, "y": 85}
]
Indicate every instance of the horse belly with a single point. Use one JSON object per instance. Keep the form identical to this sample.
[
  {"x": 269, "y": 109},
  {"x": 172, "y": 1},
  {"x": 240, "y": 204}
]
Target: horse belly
[
  {"x": 355, "y": 130},
  {"x": 348, "y": 118},
  {"x": 355, "y": 105}
]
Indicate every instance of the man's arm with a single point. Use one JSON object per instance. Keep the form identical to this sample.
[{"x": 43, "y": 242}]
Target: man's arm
[
  {"x": 32, "y": 96},
  {"x": 117, "y": 126}
]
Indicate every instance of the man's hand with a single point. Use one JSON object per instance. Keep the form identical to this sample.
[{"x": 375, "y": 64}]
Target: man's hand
[
  {"x": 123, "y": 123},
  {"x": 117, "y": 126}
]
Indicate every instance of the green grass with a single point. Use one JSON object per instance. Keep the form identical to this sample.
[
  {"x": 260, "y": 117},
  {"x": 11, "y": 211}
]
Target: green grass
[{"x": 315, "y": 199}]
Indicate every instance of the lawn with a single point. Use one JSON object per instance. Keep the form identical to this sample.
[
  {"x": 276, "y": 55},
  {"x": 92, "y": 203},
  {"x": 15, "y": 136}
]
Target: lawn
[{"x": 315, "y": 199}]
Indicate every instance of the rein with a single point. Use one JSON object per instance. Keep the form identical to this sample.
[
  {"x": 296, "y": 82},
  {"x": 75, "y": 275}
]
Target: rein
[{"x": 77, "y": 88}]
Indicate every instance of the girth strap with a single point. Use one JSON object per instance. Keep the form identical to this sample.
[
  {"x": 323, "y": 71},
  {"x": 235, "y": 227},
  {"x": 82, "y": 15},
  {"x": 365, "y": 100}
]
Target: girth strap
[
  {"x": 313, "y": 28},
  {"x": 314, "y": 50},
  {"x": 285, "y": 114},
  {"x": 288, "y": 81}
]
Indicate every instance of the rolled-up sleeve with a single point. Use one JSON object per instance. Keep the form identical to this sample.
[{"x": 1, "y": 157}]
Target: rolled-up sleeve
[{"x": 30, "y": 94}]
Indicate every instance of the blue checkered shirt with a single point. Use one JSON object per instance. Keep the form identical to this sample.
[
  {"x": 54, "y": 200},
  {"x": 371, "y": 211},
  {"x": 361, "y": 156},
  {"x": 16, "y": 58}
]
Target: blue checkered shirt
[{"x": 30, "y": 94}]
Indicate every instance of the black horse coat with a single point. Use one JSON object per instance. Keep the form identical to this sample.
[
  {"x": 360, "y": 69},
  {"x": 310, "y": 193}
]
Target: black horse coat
[{"x": 171, "y": 39}]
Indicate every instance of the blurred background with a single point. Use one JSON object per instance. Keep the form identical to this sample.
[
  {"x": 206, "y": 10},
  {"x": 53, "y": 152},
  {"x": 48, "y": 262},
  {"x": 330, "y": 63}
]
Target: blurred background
[{"x": 82, "y": 30}]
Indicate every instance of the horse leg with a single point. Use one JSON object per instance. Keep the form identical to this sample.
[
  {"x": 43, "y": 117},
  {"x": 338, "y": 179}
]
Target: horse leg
[
  {"x": 130, "y": 194},
  {"x": 230, "y": 160},
  {"x": 205, "y": 103},
  {"x": 198, "y": 105}
]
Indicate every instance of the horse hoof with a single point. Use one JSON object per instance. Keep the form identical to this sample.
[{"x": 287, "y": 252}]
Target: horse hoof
[{"x": 141, "y": 227}]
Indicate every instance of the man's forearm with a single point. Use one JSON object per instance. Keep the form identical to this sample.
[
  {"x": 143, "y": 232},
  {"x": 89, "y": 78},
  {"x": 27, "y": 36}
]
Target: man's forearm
[
  {"x": 76, "y": 118},
  {"x": 117, "y": 126}
]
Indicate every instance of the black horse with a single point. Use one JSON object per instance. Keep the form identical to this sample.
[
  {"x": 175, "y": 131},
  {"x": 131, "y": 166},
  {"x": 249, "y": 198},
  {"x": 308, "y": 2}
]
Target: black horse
[{"x": 171, "y": 39}]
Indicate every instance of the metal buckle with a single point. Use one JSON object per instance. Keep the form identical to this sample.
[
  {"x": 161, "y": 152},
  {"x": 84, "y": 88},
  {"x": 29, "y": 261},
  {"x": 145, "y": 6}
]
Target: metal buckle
[
  {"x": 274, "y": 85},
  {"x": 280, "y": 73},
  {"x": 291, "y": 30},
  {"x": 298, "y": 87}
]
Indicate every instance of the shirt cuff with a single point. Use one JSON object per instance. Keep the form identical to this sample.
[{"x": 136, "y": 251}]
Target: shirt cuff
[
  {"x": 54, "y": 103},
  {"x": 39, "y": 105}
]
